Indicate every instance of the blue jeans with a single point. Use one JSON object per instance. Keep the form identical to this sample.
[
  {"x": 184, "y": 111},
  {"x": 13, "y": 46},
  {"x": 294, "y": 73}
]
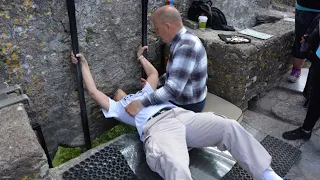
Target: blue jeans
[{"x": 196, "y": 107}]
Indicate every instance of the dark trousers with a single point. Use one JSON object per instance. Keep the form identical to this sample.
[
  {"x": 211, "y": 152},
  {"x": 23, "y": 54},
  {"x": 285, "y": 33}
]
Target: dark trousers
[
  {"x": 196, "y": 107},
  {"x": 313, "y": 113}
]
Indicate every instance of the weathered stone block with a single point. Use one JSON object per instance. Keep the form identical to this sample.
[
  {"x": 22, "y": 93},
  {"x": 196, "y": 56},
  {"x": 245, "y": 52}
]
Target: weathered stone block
[
  {"x": 21, "y": 155},
  {"x": 286, "y": 2},
  {"x": 238, "y": 72}
]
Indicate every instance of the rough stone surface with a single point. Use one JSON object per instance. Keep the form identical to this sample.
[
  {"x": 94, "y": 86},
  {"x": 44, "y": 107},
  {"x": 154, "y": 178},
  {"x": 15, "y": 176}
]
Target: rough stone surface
[
  {"x": 21, "y": 155},
  {"x": 270, "y": 126},
  {"x": 240, "y": 72},
  {"x": 264, "y": 3},
  {"x": 309, "y": 164},
  {"x": 284, "y": 105},
  {"x": 286, "y": 2},
  {"x": 242, "y": 13},
  {"x": 35, "y": 53}
]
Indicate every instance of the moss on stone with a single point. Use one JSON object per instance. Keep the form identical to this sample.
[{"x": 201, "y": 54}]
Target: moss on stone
[
  {"x": 88, "y": 35},
  {"x": 65, "y": 154}
]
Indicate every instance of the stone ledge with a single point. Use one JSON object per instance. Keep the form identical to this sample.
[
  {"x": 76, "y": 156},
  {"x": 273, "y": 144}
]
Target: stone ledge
[
  {"x": 21, "y": 154},
  {"x": 239, "y": 72}
]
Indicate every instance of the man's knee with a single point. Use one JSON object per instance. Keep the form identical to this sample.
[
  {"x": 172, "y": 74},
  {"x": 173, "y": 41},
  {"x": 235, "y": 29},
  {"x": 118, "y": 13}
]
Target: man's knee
[
  {"x": 231, "y": 125},
  {"x": 175, "y": 168}
]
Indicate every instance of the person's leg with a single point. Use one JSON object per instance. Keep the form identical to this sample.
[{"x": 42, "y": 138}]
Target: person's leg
[
  {"x": 307, "y": 88},
  {"x": 208, "y": 129},
  {"x": 165, "y": 147},
  {"x": 313, "y": 113},
  {"x": 303, "y": 20}
]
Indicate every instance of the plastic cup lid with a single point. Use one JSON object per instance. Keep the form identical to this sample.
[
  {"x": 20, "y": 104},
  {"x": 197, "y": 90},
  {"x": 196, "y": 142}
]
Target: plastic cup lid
[{"x": 203, "y": 18}]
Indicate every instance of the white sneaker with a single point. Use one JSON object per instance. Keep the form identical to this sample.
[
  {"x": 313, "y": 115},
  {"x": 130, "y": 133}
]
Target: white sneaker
[{"x": 294, "y": 75}]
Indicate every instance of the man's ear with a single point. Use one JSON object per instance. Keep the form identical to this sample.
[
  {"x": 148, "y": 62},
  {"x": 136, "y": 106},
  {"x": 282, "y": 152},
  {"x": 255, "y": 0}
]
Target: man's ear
[{"x": 168, "y": 26}]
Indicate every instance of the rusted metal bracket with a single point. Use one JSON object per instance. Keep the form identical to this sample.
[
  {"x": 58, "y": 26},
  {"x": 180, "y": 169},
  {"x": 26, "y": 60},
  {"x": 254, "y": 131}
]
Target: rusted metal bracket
[{"x": 6, "y": 100}]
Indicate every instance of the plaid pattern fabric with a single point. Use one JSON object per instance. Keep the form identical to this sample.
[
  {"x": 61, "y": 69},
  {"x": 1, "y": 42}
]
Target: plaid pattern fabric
[{"x": 186, "y": 73}]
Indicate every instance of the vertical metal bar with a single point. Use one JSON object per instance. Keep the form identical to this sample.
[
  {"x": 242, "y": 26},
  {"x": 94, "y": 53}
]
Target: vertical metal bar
[
  {"x": 144, "y": 30},
  {"x": 162, "y": 60},
  {"x": 37, "y": 128},
  {"x": 75, "y": 49}
]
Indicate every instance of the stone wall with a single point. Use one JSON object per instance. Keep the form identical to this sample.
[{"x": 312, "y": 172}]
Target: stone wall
[
  {"x": 239, "y": 14},
  {"x": 35, "y": 53},
  {"x": 286, "y": 2}
]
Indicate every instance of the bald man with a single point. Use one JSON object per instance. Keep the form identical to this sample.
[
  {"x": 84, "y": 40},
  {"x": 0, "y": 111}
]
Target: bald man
[{"x": 184, "y": 83}]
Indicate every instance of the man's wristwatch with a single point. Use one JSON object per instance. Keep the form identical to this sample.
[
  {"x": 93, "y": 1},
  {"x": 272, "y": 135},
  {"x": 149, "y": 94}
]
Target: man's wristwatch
[{"x": 140, "y": 57}]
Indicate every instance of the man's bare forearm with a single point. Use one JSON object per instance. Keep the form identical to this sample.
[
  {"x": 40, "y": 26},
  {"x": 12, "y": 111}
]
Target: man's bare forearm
[
  {"x": 148, "y": 67},
  {"x": 87, "y": 78}
]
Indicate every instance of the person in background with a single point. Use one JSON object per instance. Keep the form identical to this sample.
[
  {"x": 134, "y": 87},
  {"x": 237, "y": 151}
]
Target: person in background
[
  {"x": 313, "y": 113},
  {"x": 184, "y": 83},
  {"x": 306, "y": 11}
]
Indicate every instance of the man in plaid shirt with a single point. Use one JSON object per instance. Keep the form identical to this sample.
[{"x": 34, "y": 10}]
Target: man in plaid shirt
[{"x": 184, "y": 83}]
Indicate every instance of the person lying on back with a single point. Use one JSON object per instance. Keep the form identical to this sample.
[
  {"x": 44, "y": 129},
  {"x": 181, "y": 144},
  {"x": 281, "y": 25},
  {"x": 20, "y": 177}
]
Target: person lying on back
[{"x": 167, "y": 131}]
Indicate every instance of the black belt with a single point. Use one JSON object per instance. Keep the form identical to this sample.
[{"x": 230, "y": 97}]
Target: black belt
[{"x": 160, "y": 112}]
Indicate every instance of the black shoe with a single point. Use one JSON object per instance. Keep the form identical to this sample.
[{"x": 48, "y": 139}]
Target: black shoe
[{"x": 296, "y": 134}]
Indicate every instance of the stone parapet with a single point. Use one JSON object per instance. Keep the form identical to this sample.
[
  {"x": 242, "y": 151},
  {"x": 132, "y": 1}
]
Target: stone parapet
[
  {"x": 239, "y": 72},
  {"x": 21, "y": 156}
]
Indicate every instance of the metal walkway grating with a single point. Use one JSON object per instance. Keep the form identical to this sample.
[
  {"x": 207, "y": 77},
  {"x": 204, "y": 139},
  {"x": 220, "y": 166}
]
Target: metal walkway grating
[
  {"x": 283, "y": 157},
  {"x": 107, "y": 164}
]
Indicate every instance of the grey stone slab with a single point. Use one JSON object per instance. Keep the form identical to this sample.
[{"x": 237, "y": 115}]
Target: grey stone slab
[
  {"x": 298, "y": 86},
  {"x": 295, "y": 173},
  {"x": 310, "y": 158},
  {"x": 253, "y": 131},
  {"x": 269, "y": 126},
  {"x": 21, "y": 155},
  {"x": 223, "y": 107},
  {"x": 282, "y": 104}
]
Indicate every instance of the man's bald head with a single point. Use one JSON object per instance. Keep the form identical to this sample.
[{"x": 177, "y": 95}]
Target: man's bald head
[{"x": 168, "y": 14}]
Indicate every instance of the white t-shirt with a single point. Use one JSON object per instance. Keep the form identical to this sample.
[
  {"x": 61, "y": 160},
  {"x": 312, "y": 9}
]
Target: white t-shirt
[{"x": 117, "y": 109}]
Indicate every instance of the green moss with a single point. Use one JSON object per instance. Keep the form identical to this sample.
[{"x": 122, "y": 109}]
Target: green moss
[
  {"x": 88, "y": 35},
  {"x": 65, "y": 154}
]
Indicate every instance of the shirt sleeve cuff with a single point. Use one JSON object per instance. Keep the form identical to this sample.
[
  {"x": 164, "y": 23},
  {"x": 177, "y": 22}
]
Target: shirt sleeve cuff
[{"x": 145, "y": 102}]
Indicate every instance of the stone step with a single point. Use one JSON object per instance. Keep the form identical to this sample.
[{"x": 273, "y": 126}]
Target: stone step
[
  {"x": 260, "y": 125},
  {"x": 222, "y": 107},
  {"x": 283, "y": 105},
  {"x": 298, "y": 86},
  {"x": 21, "y": 154}
]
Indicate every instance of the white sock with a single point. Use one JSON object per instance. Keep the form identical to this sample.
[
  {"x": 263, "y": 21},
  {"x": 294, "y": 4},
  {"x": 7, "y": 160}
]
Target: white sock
[{"x": 271, "y": 175}]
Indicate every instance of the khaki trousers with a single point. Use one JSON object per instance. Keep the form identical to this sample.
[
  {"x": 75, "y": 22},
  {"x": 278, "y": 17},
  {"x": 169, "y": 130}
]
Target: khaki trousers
[{"x": 168, "y": 136}]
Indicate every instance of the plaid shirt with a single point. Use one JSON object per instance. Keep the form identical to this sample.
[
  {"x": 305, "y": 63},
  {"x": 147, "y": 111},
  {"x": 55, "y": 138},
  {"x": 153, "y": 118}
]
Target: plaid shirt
[{"x": 186, "y": 74}]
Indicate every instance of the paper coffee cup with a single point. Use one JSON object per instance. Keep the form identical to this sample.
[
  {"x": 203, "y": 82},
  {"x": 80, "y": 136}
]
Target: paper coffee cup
[{"x": 203, "y": 22}]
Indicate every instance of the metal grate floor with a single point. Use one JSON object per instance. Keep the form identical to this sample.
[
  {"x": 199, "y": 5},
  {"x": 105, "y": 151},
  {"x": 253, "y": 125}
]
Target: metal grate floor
[
  {"x": 107, "y": 164},
  {"x": 283, "y": 157}
]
